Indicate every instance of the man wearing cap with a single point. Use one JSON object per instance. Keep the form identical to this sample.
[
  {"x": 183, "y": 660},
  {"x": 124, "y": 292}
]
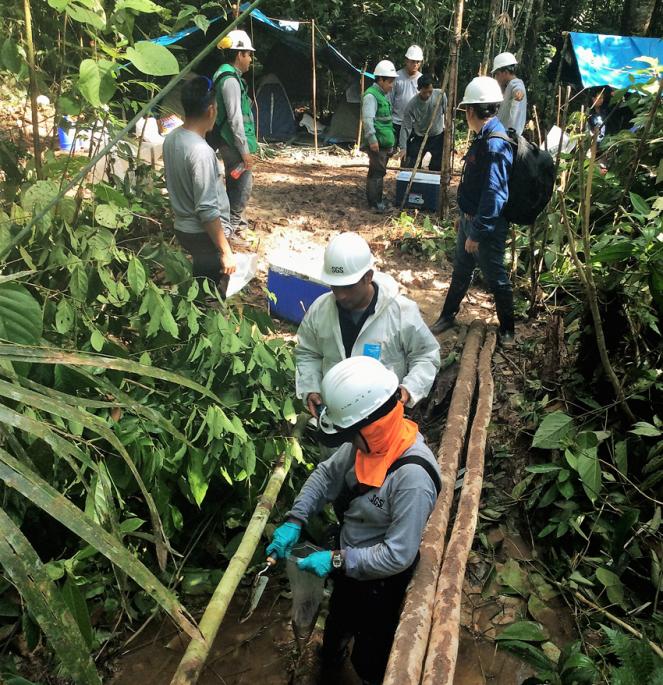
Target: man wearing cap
[
  {"x": 405, "y": 86},
  {"x": 417, "y": 118},
  {"x": 378, "y": 132},
  {"x": 482, "y": 194},
  {"x": 383, "y": 481},
  {"x": 513, "y": 109},
  {"x": 236, "y": 128},
  {"x": 363, "y": 315}
]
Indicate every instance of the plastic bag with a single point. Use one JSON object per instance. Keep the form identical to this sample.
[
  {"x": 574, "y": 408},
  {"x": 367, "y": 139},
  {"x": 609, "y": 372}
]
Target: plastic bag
[
  {"x": 247, "y": 265},
  {"x": 307, "y": 591}
]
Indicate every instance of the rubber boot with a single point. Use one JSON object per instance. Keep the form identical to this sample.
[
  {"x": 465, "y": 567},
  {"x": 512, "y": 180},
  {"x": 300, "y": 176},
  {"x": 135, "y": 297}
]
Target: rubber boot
[
  {"x": 504, "y": 309},
  {"x": 373, "y": 191},
  {"x": 455, "y": 296}
]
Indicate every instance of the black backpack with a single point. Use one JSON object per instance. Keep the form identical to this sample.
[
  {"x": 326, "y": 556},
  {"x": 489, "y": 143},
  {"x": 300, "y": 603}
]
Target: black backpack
[{"x": 531, "y": 181}]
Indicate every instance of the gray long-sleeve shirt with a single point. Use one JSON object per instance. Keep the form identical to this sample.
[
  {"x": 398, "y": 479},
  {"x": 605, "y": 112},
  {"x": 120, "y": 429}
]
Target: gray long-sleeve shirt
[
  {"x": 382, "y": 528},
  {"x": 405, "y": 88},
  {"x": 232, "y": 99},
  {"x": 369, "y": 108},
  {"x": 195, "y": 188},
  {"x": 513, "y": 111},
  {"x": 418, "y": 114}
]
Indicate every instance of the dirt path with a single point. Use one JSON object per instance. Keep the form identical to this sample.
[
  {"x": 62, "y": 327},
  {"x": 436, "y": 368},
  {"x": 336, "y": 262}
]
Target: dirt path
[{"x": 299, "y": 203}]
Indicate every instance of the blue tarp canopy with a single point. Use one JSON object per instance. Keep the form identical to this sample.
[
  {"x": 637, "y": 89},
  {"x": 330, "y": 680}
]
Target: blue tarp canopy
[{"x": 613, "y": 60}]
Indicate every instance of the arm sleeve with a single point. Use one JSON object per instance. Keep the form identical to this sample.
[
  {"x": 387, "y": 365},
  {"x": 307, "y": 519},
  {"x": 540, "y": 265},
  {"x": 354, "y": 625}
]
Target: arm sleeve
[
  {"x": 422, "y": 352},
  {"x": 369, "y": 108},
  {"x": 323, "y": 485},
  {"x": 410, "y": 508},
  {"x": 407, "y": 125},
  {"x": 495, "y": 191},
  {"x": 517, "y": 116},
  {"x": 232, "y": 99},
  {"x": 205, "y": 179},
  {"x": 308, "y": 358}
]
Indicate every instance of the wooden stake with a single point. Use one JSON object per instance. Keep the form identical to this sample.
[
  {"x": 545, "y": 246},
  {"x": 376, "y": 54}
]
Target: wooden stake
[
  {"x": 445, "y": 178},
  {"x": 33, "y": 87},
  {"x": 361, "y": 100},
  {"x": 315, "y": 107}
]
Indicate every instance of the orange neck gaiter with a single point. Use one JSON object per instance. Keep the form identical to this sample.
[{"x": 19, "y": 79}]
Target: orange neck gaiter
[{"x": 387, "y": 439}]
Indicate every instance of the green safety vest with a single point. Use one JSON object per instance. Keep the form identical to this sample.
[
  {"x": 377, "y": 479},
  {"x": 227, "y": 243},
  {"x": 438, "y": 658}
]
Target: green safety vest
[
  {"x": 225, "y": 131},
  {"x": 384, "y": 128}
]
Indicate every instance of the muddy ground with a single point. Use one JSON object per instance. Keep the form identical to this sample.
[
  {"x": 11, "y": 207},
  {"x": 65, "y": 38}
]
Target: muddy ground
[{"x": 299, "y": 202}]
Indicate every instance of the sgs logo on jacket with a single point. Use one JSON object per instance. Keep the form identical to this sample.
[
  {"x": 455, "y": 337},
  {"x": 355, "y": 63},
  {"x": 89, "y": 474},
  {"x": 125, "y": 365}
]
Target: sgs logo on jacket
[{"x": 377, "y": 501}]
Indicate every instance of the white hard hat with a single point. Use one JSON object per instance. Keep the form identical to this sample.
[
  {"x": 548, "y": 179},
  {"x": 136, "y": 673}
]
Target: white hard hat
[
  {"x": 414, "y": 52},
  {"x": 504, "y": 59},
  {"x": 385, "y": 68},
  {"x": 347, "y": 258},
  {"x": 482, "y": 90},
  {"x": 352, "y": 390},
  {"x": 239, "y": 40}
]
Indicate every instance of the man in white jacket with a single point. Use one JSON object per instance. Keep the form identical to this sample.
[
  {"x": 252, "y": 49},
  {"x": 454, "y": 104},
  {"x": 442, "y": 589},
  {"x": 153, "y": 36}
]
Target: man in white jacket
[{"x": 363, "y": 315}]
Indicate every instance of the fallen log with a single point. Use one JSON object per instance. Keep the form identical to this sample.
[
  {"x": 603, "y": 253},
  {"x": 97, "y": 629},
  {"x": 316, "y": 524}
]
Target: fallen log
[
  {"x": 440, "y": 664},
  {"x": 196, "y": 654},
  {"x": 409, "y": 647}
]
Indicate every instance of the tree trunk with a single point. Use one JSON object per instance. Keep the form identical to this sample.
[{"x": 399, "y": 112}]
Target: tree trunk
[
  {"x": 445, "y": 177},
  {"x": 490, "y": 37},
  {"x": 637, "y": 17}
]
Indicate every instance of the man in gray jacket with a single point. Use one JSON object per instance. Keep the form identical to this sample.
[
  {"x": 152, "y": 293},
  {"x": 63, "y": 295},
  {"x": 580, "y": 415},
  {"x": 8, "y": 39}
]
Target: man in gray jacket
[
  {"x": 383, "y": 482},
  {"x": 363, "y": 315},
  {"x": 417, "y": 118},
  {"x": 195, "y": 188},
  {"x": 405, "y": 86},
  {"x": 513, "y": 108}
]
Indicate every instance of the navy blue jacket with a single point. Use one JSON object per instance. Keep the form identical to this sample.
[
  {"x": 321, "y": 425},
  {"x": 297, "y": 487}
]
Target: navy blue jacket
[{"x": 484, "y": 187}]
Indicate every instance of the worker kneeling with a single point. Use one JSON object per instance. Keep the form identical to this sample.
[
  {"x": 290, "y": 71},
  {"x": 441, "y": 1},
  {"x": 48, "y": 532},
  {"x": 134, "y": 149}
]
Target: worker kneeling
[{"x": 383, "y": 482}]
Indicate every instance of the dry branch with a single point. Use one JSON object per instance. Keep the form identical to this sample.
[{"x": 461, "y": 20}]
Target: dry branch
[
  {"x": 409, "y": 647},
  {"x": 443, "y": 646}
]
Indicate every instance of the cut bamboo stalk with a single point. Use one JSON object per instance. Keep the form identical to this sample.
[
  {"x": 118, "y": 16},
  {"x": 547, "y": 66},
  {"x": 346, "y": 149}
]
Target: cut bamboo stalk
[
  {"x": 315, "y": 98},
  {"x": 197, "y": 652},
  {"x": 36, "y": 143},
  {"x": 443, "y": 646},
  {"x": 409, "y": 647}
]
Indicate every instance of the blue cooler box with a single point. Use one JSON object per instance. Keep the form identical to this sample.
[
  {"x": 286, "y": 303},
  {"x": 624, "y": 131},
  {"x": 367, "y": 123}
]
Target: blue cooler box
[
  {"x": 295, "y": 287},
  {"x": 424, "y": 193}
]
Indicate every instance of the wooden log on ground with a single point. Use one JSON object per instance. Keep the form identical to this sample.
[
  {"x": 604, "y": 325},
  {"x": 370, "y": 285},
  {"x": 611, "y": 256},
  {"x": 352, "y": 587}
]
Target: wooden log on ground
[
  {"x": 440, "y": 664},
  {"x": 409, "y": 648},
  {"x": 196, "y": 654}
]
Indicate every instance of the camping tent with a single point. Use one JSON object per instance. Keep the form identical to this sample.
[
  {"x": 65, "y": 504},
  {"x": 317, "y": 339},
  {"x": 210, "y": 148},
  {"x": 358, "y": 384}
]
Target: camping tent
[
  {"x": 601, "y": 60},
  {"x": 272, "y": 111}
]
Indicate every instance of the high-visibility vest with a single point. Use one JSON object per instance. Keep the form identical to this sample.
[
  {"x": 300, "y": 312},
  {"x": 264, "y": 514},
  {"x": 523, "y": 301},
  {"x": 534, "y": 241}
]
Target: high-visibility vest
[
  {"x": 384, "y": 128},
  {"x": 225, "y": 131}
]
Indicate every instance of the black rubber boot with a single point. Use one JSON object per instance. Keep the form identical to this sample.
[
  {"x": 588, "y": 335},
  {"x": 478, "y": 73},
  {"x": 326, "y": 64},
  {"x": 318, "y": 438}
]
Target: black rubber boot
[
  {"x": 373, "y": 191},
  {"x": 442, "y": 324},
  {"x": 504, "y": 309}
]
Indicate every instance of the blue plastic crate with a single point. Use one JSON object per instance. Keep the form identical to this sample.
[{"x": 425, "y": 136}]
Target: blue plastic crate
[
  {"x": 424, "y": 193},
  {"x": 295, "y": 292}
]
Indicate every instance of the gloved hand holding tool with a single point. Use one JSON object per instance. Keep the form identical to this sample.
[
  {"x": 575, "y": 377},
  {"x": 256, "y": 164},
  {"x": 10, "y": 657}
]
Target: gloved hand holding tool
[{"x": 284, "y": 539}]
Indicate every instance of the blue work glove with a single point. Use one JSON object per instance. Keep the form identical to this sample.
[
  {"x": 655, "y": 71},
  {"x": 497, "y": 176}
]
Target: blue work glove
[
  {"x": 284, "y": 539},
  {"x": 319, "y": 563}
]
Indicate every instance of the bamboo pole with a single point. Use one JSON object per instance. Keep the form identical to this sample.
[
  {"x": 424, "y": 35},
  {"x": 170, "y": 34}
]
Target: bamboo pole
[
  {"x": 197, "y": 652},
  {"x": 315, "y": 105},
  {"x": 129, "y": 127},
  {"x": 445, "y": 178},
  {"x": 361, "y": 99},
  {"x": 409, "y": 647},
  {"x": 36, "y": 143},
  {"x": 442, "y": 653}
]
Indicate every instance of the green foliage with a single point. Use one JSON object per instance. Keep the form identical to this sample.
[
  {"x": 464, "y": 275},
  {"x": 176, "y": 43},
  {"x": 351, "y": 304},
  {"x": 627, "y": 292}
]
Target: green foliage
[
  {"x": 422, "y": 238},
  {"x": 637, "y": 662}
]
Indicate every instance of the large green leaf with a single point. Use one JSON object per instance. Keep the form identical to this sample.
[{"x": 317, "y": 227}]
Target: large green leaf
[
  {"x": 587, "y": 460},
  {"x": 153, "y": 59},
  {"x": 44, "y": 496},
  {"x": 612, "y": 584},
  {"x": 10, "y": 56},
  {"x": 45, "y": 603},
  {"x": 21, "y": 318},
  {"x": 552, "y": 431},
  {"x": 84, "y": 11},
  {"x": 96, "y": 82},
  {"x": 527, "y": 631}
]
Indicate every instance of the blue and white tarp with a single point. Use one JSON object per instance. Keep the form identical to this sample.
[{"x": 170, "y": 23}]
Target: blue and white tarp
[{"x": 614, "y": 60}]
